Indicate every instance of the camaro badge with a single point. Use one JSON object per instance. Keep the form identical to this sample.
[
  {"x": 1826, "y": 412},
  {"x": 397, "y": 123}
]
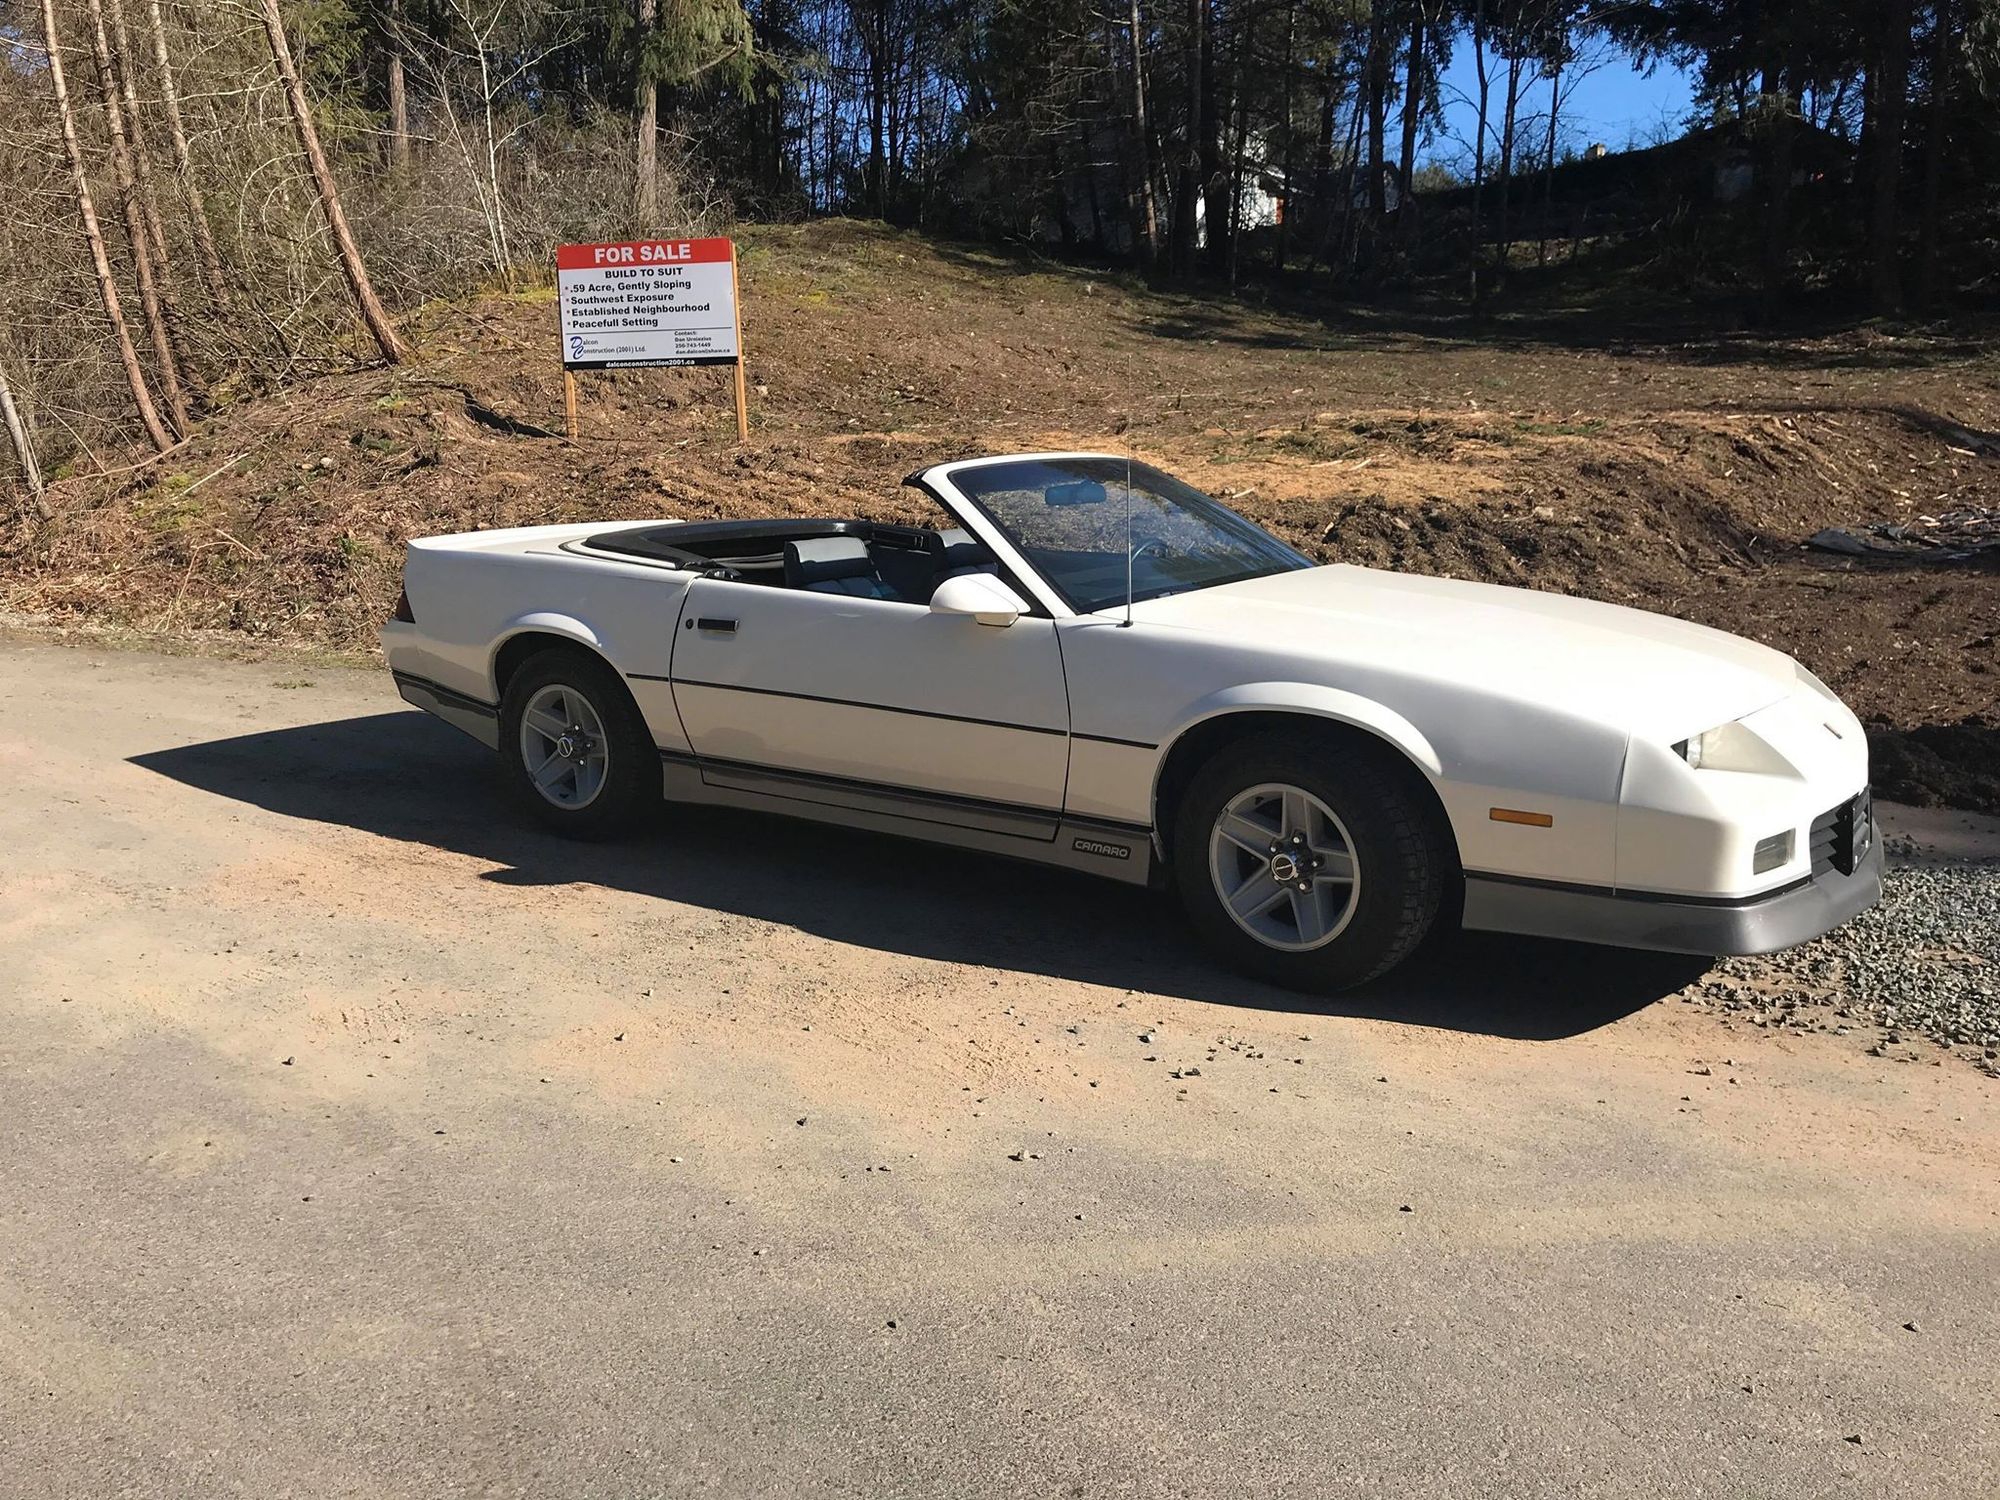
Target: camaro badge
[{"x": 1109, "y": 851}]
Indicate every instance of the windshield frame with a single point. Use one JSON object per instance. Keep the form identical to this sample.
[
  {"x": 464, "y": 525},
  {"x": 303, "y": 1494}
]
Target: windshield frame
[{"x": 942, "y": 484}]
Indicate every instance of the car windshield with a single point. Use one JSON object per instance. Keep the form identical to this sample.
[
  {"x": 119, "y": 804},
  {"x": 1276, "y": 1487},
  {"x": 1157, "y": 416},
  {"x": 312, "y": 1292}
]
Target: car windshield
[{"x": 1073, "y": 518}]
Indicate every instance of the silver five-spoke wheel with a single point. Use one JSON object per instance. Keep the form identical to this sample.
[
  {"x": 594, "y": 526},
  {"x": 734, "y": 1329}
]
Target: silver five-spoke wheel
[
  {"x": 563, "y": 746},
  {"x": 1284, "y": 867}
]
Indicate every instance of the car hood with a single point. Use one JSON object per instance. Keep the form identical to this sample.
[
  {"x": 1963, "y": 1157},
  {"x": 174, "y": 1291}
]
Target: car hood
[{"x": 1645, "y": 673}]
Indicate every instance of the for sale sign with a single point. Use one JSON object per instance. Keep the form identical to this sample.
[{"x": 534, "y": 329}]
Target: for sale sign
[{"x": 648, "y": 302}]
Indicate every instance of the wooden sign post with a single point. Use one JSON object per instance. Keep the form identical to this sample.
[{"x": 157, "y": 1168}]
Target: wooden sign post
[
  {"x": 736, "y": 306},
  {"x": 650, "y": 304}
]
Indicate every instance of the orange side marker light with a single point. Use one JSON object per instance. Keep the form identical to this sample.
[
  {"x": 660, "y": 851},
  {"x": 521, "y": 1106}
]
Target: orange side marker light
[{"x": 1526, "y": 819}]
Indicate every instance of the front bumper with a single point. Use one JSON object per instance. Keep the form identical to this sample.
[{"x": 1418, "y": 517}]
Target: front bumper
[{"x": 1675, "y": 924}]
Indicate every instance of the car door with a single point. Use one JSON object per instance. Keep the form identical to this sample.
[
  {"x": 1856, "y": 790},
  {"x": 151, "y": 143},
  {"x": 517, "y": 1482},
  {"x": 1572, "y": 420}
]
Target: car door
[{"x": 874, "y": 703}]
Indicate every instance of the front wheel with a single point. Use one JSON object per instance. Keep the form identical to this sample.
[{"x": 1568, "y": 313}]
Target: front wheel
[
  {"x": 577, "y": 752},
  {"x": 1311, "y": 861}
]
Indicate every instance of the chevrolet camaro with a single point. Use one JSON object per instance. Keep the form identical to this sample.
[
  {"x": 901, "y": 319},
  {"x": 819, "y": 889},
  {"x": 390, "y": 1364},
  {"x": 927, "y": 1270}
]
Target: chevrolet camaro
[{"x": 1088, "y": 663}]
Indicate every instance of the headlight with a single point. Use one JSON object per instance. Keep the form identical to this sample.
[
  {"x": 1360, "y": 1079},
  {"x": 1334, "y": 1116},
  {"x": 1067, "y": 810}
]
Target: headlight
[{"x": 1732, "y": 747}]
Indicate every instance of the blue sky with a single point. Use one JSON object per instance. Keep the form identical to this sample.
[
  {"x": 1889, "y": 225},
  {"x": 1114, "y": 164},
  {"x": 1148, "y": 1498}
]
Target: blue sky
[{"x": 1613, "y": 102}]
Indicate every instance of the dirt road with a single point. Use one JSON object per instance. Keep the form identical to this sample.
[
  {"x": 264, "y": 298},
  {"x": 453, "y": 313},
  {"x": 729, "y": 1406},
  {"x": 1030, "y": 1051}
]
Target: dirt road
[{"x": 360, "y": 1141}]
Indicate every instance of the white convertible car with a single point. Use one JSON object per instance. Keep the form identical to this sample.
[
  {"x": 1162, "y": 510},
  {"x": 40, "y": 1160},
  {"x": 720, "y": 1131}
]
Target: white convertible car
[{"x": 1090, "y": 664}]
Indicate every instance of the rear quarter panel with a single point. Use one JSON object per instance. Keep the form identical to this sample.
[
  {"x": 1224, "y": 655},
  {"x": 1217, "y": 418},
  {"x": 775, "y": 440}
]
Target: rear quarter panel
[{"x": 469, "y": 601}]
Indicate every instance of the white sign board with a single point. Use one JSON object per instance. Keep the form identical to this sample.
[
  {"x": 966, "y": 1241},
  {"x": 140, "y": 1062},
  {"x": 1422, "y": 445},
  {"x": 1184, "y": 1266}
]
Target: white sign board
[{"x": 648, "y": 302}]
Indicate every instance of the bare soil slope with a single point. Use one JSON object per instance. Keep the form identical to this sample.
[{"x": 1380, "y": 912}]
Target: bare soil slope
[{"x": 1547, "y": 451}]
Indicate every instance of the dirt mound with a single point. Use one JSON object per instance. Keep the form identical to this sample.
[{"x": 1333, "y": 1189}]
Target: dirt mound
[
  {"x": 1939, "y": 765},
  {"x": 1680, "y": 478}
]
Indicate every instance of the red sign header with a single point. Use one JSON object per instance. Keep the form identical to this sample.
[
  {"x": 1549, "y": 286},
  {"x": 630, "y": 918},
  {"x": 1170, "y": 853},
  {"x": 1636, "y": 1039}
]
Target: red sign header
[{"x": 640, "y": 253}]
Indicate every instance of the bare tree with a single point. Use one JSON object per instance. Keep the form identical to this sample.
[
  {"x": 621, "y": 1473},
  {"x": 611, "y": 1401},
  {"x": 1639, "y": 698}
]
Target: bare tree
[
  {"x": 1142, "y": 145},
  {"x": 1485, "y": 97},
  {"x": 139, "y": 238},
  {"x": 372, "y": 311},
  {"x": 107, "y": 285},
  {"x": 647, "y": 166},
  {"x": 1942, "y": 64},
  {"x": 1509, "y": 120},
  {"x": 1889, "y": 79},
  {"x": 471, "y": 95},
  {"x": 142, "y": 155},
  {"x": 1415, "y": 82},
  {"x": 399, "y": 92},
  {"x": 24, "y": 448},
  {"x": 184, "y": 175}
]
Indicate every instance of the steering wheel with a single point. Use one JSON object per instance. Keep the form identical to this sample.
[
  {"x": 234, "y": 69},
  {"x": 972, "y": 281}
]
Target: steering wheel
[{"x": 1151, "y": 544}]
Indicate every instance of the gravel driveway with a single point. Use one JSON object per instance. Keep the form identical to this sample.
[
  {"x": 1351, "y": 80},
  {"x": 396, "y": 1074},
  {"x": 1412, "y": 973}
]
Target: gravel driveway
[
  {"x": 362, "y": 1141},
  {"x": 1919, "y": 975}
]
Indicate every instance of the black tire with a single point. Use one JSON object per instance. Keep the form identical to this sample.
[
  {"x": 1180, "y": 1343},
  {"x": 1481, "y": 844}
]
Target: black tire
[
  {"x": 1398, "y": 838},
  {"x": 630, "y": 786}
]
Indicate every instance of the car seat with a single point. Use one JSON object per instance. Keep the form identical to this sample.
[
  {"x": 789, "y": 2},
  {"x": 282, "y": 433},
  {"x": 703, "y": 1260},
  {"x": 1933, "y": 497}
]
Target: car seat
[
  {"x": 958, "y": 552},
  {"x": 834, "y": 565}
]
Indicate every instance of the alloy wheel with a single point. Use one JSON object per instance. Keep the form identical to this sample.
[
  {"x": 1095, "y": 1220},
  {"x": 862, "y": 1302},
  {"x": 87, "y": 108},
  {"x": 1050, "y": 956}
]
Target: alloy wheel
[
  {"x": 563, "y": 747},
  {"x": 1284, "y": 867}
]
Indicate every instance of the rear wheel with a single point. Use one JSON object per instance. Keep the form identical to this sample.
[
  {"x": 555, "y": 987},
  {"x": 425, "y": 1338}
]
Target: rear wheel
[
  {"x": 1312, "y": 861},
  {"x": 577, "y": 752}
]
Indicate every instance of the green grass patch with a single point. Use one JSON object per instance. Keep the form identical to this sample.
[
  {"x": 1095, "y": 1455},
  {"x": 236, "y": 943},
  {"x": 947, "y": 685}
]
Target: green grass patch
[{"x": 170, "y": 507}]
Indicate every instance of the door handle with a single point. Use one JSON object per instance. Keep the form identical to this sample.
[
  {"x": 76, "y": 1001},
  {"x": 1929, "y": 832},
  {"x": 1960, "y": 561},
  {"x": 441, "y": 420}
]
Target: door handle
[{"x": 726, "y": 627}]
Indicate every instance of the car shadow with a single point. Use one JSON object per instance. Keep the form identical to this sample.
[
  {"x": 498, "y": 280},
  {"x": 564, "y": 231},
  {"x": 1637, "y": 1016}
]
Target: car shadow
[{"x": 406, "y": 776}]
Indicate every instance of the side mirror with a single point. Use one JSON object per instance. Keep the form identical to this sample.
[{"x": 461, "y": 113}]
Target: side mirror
[{"x": 980, "y": 595}]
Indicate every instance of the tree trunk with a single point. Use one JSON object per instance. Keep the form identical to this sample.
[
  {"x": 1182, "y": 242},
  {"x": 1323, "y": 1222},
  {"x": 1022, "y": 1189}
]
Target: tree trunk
[
  {"x": 1934, "y": 143},
  {"x": 1350, "y": 237},
  {"x": 646, "y": 174},
  {"x": 1780, "y": 134},
  {"x": 107, "y": 286},
  {"x": 1478, "y": 141},
  {"x": 1322, "y": 173},
  {"x": 142, "y": 154},
  {"x": 1240, "y": 135},
  {"x": 204, "y": 238},
  {"x": 878, "y": 106},
  {"x": 1147, "y": 238},
  {"x": 1886, "y": 137},
  {"x": 137, "y": 238},
  {"x": 24, "y": 448},
  {"x": 1507, "y": 154},
  {"x": 1413, "y": 100},
  {"x": 496, "y": 220},
  {"x": 1188, "y": 189},
  {"x": 1288, "y": 203},
  {"x": 1377, "y": 84},
  {"x": 399, "y": 93},
  {"x": 372, "y": 311},
  {"x": 1087, "y": 161},
  {"x": 1549, "y": 158},
  {"x": 1214, "y": 179},
  {"x": 1058, "y": 185},
  {"x": 893, "y": 95}
]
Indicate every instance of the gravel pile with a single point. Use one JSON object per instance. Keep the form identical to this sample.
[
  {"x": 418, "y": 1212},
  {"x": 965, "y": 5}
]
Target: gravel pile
[{"x": 1919, "y": 973}]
